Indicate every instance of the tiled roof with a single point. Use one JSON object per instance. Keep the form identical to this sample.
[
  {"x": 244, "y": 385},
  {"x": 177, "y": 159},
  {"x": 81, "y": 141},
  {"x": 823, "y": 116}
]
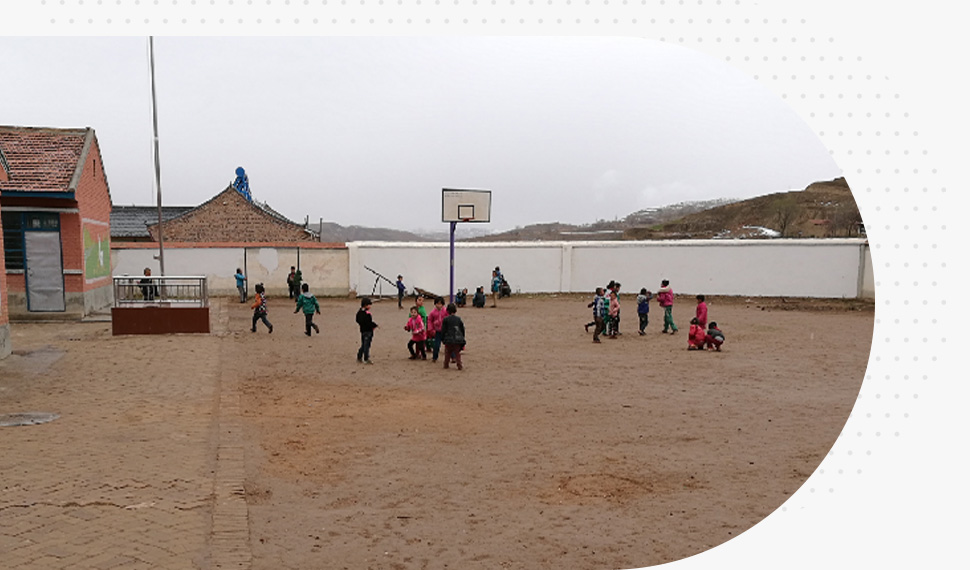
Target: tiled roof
[
  {"x": 42, "y": 159},
  {"x": 133, "y": 221}
]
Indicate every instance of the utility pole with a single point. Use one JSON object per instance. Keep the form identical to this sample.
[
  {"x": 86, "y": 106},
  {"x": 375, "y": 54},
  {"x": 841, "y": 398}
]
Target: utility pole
[{"x": 158, "y": 172}]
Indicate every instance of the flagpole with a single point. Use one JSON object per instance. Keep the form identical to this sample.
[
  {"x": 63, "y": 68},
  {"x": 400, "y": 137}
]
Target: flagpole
[{"x": 158, "y": 174}]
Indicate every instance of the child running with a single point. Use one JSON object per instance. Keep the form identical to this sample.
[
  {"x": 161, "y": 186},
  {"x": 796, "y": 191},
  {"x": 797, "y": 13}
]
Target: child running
[
  {"x": 309, "y": 304},
  {"x": 643, "y": 309},
  {"x": 599, "y": 314},
  {"x": 367, "y": 325},
  {"x": 434, "y": 326},
  {"x": 665, "y": 297},
  {"x": 697, "y": 336},
  {"x": 415, "y": 326},
  {"x": 453, "y": 336},
  {"x": 259, "y": 308},
  {"x": 714, "y": 338}
]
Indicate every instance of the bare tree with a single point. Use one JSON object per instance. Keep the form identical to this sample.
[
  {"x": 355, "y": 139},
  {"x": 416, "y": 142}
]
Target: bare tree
[{"x": 787, "y": 214}]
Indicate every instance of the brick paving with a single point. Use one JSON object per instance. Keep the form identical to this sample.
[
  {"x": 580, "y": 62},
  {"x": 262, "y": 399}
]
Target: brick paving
[{"x": 144, "y": 467}]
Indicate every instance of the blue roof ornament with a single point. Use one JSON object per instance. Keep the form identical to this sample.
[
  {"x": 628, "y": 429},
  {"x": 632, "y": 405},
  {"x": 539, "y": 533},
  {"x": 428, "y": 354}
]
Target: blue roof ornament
[{"x": 241, "y": 184}]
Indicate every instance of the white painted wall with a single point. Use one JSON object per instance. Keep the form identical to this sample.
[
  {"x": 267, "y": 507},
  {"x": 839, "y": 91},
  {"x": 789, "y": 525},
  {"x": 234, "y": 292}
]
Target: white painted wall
[
  {"x": 868, "y": 280},
  {"x": 830, "y": 268},
  {"x": 796, "y": 268},
  {"x": 325, "y": 270}
]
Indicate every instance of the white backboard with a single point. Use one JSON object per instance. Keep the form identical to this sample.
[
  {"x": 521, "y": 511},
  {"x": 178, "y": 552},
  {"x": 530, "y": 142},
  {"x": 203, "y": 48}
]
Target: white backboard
[{"x": 466, "y": 205}]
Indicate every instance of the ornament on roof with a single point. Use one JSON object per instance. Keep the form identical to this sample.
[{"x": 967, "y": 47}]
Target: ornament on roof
[{"x": 241, "y": 184}]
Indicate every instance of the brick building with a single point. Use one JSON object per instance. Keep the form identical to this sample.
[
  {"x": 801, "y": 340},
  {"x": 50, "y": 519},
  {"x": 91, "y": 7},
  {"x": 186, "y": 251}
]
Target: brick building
[
  {"x": 230, "y": 217},
  {"x": 56, "y": 206}
]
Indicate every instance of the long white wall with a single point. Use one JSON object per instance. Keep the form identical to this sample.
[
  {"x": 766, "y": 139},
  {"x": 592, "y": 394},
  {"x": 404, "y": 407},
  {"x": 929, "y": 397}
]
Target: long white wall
[{"x": 830, "y": 268}]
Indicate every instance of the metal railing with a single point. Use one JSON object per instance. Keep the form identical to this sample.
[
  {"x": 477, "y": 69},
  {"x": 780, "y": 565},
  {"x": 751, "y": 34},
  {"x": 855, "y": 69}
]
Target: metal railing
[{"x": 168, "y": 291}]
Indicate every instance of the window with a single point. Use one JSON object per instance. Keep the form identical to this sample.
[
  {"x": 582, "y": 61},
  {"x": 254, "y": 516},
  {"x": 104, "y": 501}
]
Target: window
[
  {"x": 14, "y": 226},
  {"x": 13, "y": 240}
]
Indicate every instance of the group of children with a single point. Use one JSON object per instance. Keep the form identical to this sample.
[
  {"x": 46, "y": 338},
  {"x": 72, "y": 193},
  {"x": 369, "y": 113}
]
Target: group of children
[
  {"x": 441, "y": 326},
  {"x": 606, "y": 316},
  {"x": 305, "y": 302},
  {"x": 428, "y": 331}
]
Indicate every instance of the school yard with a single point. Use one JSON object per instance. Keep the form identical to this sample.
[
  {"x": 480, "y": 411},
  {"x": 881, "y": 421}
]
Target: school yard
[{"x": 251, "y": 450}]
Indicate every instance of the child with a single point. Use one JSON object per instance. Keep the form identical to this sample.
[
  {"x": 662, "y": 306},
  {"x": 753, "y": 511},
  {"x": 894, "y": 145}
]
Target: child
[
  {"x": 240, "y": 284},
  {"x": 701, "y": 311},
  {"x": 309, "y": 304},
  {"x": 643, "y": 309},
  {"x": 479, "y": 299},
  {"x": 415, "y": 326},
  {"x": 599, "y": 314},
  {"x": 419, "y": 302},
  {"x": 697, "y": 336},
  {"x": 293, "y": 282},
  {"x": 367, "y": 325},
  {"x": 453, "y": 335},
  {"x": 614, "y": 309},
  {"x": 461, "y": 298},
  {"x": 665, "y": 297},
  {"x": 714, "y": 338},
  {"x": 259, "y": 308},
  {"x": 400, "y": 291},
  {"x": 434, "y": 327},
  {"x": 496, "y": 285}
]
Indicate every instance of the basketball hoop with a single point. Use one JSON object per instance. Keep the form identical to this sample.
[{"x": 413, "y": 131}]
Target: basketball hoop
[{"x": 465, "y": 220}]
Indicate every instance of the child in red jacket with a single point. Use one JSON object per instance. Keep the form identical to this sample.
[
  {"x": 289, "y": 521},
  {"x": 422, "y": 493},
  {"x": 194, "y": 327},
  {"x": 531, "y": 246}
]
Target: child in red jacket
[{"x": 695, "y": 340}]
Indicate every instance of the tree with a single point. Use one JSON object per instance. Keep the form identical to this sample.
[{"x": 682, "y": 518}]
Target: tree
[{"x": 787, "y": 214}]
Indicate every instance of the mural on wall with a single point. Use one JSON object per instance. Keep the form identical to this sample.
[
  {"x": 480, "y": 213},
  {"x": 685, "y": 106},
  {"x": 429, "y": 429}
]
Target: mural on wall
[{"x": 97, "y": 252}]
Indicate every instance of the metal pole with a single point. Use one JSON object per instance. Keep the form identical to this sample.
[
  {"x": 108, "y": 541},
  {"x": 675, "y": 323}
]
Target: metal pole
[
  {"x": 158, "y": 173},
  {"x": 451, "y": 287}
]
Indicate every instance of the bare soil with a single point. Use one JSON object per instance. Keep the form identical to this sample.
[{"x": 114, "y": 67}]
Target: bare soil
[{"x": 546, "y": 451}]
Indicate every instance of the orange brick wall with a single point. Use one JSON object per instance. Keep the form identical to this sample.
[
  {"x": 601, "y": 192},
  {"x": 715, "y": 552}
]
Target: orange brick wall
[
  {"x": 229, "y": 217},
  {"x": 94, "y": 204}
]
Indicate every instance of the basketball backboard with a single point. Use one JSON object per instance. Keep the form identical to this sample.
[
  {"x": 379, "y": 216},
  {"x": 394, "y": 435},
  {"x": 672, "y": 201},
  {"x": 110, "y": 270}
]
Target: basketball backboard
[{"x": 466, "y": 205}]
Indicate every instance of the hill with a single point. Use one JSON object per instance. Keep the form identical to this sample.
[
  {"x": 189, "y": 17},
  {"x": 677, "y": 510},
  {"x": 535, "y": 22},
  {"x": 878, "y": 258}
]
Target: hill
[{"x": 823, "y": 209}]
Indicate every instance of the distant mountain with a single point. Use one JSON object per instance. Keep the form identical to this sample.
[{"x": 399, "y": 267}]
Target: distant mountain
[
  {"x": 331, "y": 232},
  {"x": 603, "y": 229},
  {"x": 823, "y": 209}
]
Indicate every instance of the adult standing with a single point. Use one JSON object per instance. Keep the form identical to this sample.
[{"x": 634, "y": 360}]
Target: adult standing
[{"x": 241, "y": 285}]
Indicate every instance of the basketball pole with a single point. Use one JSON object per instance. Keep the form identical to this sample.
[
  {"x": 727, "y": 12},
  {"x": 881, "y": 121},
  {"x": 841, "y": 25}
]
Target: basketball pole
[{"x": 451, "y": 286}]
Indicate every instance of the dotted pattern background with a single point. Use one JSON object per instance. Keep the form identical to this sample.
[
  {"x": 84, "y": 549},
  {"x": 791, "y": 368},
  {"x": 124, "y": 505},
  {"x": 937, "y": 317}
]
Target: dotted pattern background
[{"x": 822, "y": 65}]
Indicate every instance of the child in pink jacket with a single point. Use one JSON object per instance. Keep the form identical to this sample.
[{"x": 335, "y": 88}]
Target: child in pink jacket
[
  {"x": 415, "y": 326},
  {"x": 434, "y": 327}
]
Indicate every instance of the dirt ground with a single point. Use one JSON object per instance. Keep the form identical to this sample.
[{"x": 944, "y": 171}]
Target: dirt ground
[{"x": 546, "y": 451}]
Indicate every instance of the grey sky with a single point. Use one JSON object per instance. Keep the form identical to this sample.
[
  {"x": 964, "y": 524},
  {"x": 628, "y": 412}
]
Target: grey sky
[{"x": 367, "y": 131}]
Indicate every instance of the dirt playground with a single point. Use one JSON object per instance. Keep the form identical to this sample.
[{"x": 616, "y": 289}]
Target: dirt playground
[
  {"x": 279, "y": 451},
  {"x": 546, "y": 451}
]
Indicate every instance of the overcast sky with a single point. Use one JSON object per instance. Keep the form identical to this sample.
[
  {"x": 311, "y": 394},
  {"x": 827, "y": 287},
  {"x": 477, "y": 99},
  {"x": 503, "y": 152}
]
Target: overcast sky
[{"x": 367, "y": 131}]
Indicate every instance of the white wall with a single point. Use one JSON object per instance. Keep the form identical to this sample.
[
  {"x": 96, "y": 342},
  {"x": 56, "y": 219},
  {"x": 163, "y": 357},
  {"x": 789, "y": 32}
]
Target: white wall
[
  {"x": 325, "y": 270},
  {"x": 832, "y": 268},
  {"x": 796, "y": 268}
]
